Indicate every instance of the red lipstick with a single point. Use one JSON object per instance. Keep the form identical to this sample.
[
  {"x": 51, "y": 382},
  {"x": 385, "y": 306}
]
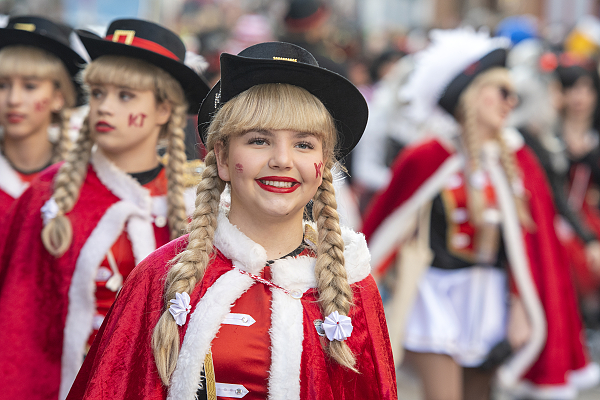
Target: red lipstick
[
  {"x": 103, "y": 127},
  {"x": 15, "y": 118},
  {"x": 262, "y": 182}
]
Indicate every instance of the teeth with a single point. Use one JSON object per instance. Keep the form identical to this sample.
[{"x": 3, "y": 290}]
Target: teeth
[{"x": 278, "y": 184}]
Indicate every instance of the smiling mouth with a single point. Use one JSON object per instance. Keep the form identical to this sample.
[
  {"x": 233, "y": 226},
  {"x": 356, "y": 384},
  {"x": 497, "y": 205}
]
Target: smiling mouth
[{"x": 277, "y": 184}]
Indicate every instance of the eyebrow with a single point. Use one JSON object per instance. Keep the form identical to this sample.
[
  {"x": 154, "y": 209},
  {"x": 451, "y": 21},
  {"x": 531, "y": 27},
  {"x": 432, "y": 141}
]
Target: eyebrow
[{"x": 270, "y": 133}]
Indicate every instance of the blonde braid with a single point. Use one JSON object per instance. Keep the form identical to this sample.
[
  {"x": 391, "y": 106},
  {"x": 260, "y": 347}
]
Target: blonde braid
[
  {"x": 189, "y": 266},
  {"x": 58, "y": 232},
  {"x": 335, "y": 293},
  {"x": 177, "y": 215},
  {"x": 476, "y": 202},
  {"x": 62, "y": 147}
]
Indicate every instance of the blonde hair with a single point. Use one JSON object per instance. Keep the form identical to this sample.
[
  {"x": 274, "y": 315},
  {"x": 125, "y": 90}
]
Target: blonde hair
[
  {"x": 139, "y": 75},
  {"x": 36, "y": 62},
  {"x": 466, "y": 114},
  {"x": 268, "y": 106}
]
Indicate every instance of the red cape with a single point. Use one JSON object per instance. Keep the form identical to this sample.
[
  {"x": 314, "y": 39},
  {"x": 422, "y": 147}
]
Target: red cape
[
  {"x": 564, "y": 350},
  {"x": 34, "y": 287},
  {"x": 120, "y": 364}
]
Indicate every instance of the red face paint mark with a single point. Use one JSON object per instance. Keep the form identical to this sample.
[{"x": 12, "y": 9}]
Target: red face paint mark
[
  {"x": 137, "y": 120},
  {"x": 239, "y": 168},
  {"x": 41, "y": 105},
  {"x": 318, "y": 169}
]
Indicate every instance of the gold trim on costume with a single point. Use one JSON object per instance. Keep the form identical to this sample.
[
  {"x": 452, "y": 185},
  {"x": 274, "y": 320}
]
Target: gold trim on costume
[{"x": 209, "y": 373}]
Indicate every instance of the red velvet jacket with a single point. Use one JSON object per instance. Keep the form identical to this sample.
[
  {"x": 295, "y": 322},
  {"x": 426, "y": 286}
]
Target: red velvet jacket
[{"x": 120, "y": 364}]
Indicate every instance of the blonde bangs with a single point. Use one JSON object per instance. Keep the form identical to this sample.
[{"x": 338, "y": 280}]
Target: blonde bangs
[
  {"x": 276, "y": 106},
  {"x": 29, "y": 61},
  {"x": 123, "y": 72}
]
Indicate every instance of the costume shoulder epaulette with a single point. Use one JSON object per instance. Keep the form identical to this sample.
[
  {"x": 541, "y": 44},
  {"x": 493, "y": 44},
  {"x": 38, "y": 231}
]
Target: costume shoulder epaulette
[{"x": 192, "y": 171}]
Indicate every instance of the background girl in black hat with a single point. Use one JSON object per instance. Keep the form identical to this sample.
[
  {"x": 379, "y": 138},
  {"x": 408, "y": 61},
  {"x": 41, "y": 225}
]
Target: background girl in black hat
[
  {"x": 37, "y": 68},
  {"x": 255, "y": 302},
  {"x": 102, "y": 211},
  {"x": 482, "y": 289}
]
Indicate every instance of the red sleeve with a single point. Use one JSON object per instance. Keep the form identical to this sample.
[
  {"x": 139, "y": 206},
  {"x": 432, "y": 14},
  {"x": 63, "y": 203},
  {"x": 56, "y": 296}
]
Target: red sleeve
[{"x": 412, "y": 167}]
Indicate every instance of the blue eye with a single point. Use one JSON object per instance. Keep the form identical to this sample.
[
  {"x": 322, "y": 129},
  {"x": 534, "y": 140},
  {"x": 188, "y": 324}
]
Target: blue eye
[
  {"x": 258, "y": 141},
  {"x": 96, "y": 93},
  {"x": 305, "y": 146},
  {"x": 126, "y": 96}
]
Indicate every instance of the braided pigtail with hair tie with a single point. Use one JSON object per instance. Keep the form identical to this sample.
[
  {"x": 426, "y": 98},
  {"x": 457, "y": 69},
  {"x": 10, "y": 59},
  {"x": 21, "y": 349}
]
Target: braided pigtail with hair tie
[
  {"x": 58, "y": 232},
  {"x": 189, "y": 266},
  {"x": 177, "y": 215},
  {"x": 335, "y": 293},
  {"x": 63, "y": 145}
]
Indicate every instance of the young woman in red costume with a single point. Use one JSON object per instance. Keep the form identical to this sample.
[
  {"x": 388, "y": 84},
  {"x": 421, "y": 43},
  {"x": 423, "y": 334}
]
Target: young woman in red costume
[
  {"x": 496, "y": 281},
  {"x": 37, "y": 89},
  {"x": 256, "y": 303},
  {"x": 79, "y": 232}
]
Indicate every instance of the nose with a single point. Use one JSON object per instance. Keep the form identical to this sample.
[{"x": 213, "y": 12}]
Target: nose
[
  {"x": 105, "y": 106},
  {"x": 15, "y": 95},
  {"x": 281, "y": 157}
]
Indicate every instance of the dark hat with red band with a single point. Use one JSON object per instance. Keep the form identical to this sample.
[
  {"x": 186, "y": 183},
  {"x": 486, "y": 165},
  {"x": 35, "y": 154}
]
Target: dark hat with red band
[
  {"x": 155, "y": 44},
  {"x": 278, "y": 62},
  {"x": 46, "y": 35}
]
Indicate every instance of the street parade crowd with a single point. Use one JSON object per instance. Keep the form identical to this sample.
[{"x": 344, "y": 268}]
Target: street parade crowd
[{"x": 276, "y": 221}]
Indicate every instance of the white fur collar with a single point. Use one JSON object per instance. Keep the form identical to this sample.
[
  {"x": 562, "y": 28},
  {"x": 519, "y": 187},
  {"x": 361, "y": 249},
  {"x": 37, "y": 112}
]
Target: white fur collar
[
  {"x": 252, "y": 257},
  {"x": 118, "y": 182},
  {"x": 10, "y": 183}
]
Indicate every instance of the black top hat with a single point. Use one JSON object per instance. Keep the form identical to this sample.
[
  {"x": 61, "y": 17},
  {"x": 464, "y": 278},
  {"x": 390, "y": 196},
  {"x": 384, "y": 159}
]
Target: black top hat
[
  {"x": 449, "y": 99},
  {"x": 278, "y": 62},
  {"x": 152, "y": 43},
  {"x": 45, "y": 34}
]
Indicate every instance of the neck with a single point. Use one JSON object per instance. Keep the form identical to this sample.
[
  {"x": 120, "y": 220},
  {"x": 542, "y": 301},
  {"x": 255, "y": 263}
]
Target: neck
[
  {"x": 278, "y": 236},
  {"x": 30, "y": 153},
  {"x": 139, "y": 158},
  {"x": 578, "y": 126}
]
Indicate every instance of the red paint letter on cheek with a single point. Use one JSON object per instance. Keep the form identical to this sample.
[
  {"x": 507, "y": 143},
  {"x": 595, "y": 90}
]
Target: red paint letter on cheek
[
  {"x": 318, "y": 169},
  {"x": 239, "y": 168},
  {"x": 137, "y": 120},
  {"x": 41, "y": 105}
]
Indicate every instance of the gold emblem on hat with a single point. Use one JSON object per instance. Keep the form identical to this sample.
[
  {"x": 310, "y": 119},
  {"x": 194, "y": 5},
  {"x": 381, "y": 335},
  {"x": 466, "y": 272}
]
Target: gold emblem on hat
[
  {"x": 25, "y": 27},
  {"x": 129, "y": 35},
  {"x": 285, "y": 59}
]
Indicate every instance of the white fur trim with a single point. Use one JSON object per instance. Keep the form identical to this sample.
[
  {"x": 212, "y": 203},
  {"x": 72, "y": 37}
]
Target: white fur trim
[
  {"x": 581, "y": 379},
  {"x": 238, "y": 247},
  {"x": 202, "y": 328},
  {"x": 513, "y": 139},
  {"x": 10, "y": 183},
  {"x": 286, "y": 346},
  {"x": 189, "y": 197},
  {"x": 510, "y": 372},
  {"x": 393, "y": 230}
]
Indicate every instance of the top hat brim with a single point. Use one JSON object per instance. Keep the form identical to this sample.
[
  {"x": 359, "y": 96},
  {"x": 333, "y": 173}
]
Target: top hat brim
[
  {"x": 449, "y": 99},
  {"x": 193, "y": 85},
  {"x": 342, "y": 99},
  {"x": 72, "y": 61}
]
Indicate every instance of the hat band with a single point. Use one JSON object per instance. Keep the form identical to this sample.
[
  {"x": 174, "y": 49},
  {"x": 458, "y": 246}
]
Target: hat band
[{"x": 143, "y": 44}]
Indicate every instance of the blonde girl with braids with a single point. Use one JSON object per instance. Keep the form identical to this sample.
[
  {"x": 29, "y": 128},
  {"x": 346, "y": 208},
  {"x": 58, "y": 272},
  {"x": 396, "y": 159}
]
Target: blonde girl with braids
[
  {"x": 492, "y": 295},
  {"x": 77, "y": 235},
  {"x": 37, "y": 91},
  {"x": 256, "y": 302}
]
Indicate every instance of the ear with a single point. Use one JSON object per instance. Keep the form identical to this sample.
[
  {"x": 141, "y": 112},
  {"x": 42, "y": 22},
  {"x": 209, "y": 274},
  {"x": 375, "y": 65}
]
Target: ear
[
  {"x": 58, "y": 101},
  {"x": 222, "y": 161},
  {"x": 163, "y": 112}
]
